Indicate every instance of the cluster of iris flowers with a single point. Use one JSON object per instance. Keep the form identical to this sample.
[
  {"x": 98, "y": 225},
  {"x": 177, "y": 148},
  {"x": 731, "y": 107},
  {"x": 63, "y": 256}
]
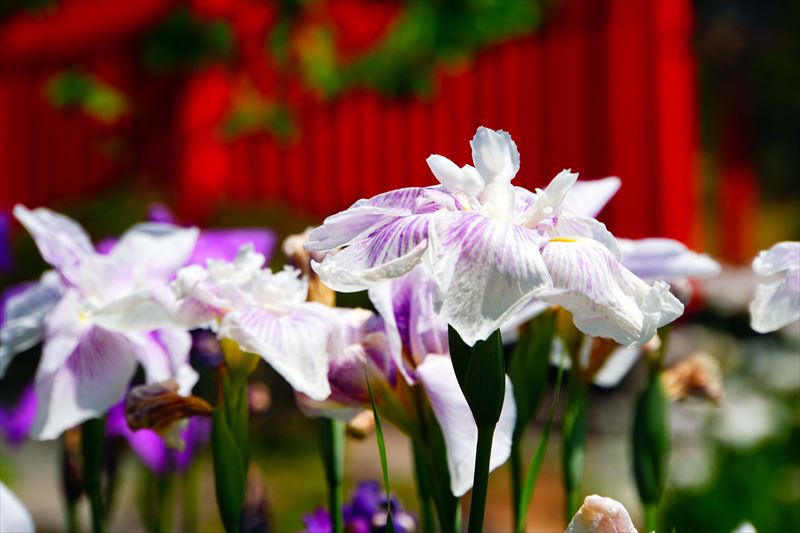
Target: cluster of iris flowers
[{"x": 454, "y": 271}]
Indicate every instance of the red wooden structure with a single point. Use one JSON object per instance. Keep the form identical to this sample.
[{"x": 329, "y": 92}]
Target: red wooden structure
[{"x": 606, "y": 87}]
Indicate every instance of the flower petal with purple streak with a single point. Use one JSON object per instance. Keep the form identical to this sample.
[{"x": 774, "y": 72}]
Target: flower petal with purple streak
[
  {"x": 387, "y": 252},
  {"x": 485, "y": 270},
  {"x": 605, "y": 299},
  {"x": 93, "y": 377}
]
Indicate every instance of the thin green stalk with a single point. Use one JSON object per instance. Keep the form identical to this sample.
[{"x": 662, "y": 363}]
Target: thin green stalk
[
  {"x": 331, "y": 441},
  {"x": 536, "y": 464},
  {"x": 651, "y": 517},
  {"x": 92, "y": 440},
  {"x": 72, "y": 519},
  {"x": 480, "y": 484},
  {"x": 423, "y": 490},
  {"x": 515, "y": 463},
  {"x": 381, "y": 452},
  {"x": 574, "y": 444},
  {"x": 190, "y": 494}
]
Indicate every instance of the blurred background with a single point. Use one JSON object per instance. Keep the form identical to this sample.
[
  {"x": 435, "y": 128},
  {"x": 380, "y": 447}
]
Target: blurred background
[{"x": 278, "y": 113}]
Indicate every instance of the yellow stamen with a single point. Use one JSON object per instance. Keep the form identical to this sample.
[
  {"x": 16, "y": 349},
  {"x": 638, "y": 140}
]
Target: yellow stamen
[{"x": 563, "y": 239}]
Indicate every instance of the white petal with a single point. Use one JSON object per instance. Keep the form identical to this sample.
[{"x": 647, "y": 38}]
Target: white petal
[
  {"x": 464, "y": 180},
  {"x": 143, "y": 310},
  {"x": 61, "y": 241},
  {"x": 665, "y": 259},
  {"x": 14, "y": 516},
  {"x": 601, "y": 515},
  {"x": 486, "y": 271},
  {"x": 782, "y": 256},
  {"x": 577, "y": 226},
  {"x": 92, "y": 379},
  {"x": 495, "y": 155},
  {"x": 510, "y": 329},
  {"x": 546, "y": 202},
  {"x": 777, "y": 303},
  {"x": 153, "y": 252},
  {"x": 23, "y": 325},
  {"x": 388, "y": 252},
  {"x": 294, "y": 343},
  {"x": 617, "y": 366},
  {"x": 605, "y": 299},
  {"x": 458, "y": 427},
  {"x": 164, "y": 354},
  {"x": 588, "y": 198}
]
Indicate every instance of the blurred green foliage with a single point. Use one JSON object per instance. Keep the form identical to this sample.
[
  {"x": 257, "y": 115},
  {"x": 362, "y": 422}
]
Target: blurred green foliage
[
  {"x": 184, "y": 42},
  {"x": 77, "y": 90}
]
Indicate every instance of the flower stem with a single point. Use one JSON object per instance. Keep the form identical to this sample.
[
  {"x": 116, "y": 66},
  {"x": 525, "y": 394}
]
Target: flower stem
[
  {"x": 515, "y": 463},
  {"x": 423, "y": 490},
  {"x": 92, "y": 440},
  {"x": 481, "y": 482},
  {"x": 651, "y": 517},
  {"x": 331, "y": 440},
  {"x": 189, "y": 497},
  {"x": 574, "y": 444}
]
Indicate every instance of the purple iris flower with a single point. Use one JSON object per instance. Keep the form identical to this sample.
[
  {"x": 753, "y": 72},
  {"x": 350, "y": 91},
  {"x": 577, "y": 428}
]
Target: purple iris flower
[
  {"x": 6, "y": 261},
  {"x": 86, "y": 366},
  {"x": 16, "y": 421},
  {"x": 151, "y": 448},
  {"x": 364, "y": 513}
]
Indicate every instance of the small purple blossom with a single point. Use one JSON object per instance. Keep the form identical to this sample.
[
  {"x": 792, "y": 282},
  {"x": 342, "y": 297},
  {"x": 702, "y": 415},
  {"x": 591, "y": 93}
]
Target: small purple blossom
[
  {"x": 16, "y": 421},
  {"x": 150, "y": 447},
  {"x": 364, "y": 513}
]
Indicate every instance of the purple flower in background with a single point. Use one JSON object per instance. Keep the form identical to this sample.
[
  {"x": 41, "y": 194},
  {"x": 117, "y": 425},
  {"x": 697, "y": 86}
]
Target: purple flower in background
[
  {"x": 219, "y": 243},
  {"x": 151, "y": 448},
  {"x": 6, "y": 259},
  {"x": 364, "y": 513},
  {"x": 16, "y": 421},
  {"x": 86, "y": 367},
  {"x": 493, "y": 247}
]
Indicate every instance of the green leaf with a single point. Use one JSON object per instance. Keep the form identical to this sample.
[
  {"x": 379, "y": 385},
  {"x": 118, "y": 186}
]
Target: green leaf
[
  {"x": 574, "y": 441},
  {"x": 536, "y": 464},
  {"x": 651, "y": 440},
  {"x": 382, "y": 452},
  {"x": 230, "y": 477},
  {"x": 485, "y": 381},
  {"x": 529, "y": 367}
]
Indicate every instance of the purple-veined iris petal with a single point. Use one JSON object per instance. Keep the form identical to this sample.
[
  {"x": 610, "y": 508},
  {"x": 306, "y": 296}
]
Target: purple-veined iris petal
[
  {"x": 605, "y": 299},
  {"x": 458, "y": 427},
  {"x": 61, "y": 241},
  {"x": 14, "y": 516},
  {"x": 366, "y": 215},
  {"x": 24, "y": 309},
  {"x": 777, "y": 300},
  {"x": 665, "y": 259},
  {"x": 569, "y": 225},
  {"x": 387, "y": 252},
  {"x": 485, "y": 270},
  {"x": 413, "y": 328},
  {"x": 294, "y": 343},
  {"x": 588, "y": 198},
  {"x": 92, "y": 378}
]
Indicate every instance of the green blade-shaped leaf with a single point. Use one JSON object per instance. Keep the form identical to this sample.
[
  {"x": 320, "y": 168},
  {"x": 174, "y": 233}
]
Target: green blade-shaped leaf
[
  {"x": 229, "y": 476},
  {"x": 382, "y": 452},
  {"x": 536, "y": 463},
  {"x": 485, "y": 381},
  {"x": 528, "y": 368}
]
